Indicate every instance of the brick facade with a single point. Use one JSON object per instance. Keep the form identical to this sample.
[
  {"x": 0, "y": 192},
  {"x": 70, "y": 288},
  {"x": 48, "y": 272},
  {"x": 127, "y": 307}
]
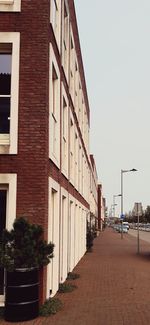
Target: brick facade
[{"x": 31, "y": 164}]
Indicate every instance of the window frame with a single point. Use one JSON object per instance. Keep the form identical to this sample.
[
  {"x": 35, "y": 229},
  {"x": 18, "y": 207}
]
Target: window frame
[
  {"x": 9, "y": 182},
  {"x": 65, "y": 38},
  {"x": 64, "y": 132},
  {"x": 54, "y": 115},
  {"x": 10, "y": 5},
  {"x": 12, "y": 146},
  {"x": 57, "y": 21}
]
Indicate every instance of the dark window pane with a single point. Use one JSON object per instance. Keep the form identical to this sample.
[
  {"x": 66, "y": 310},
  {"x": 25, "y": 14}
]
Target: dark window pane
[
  {"x": 5, "y": 80},
  {"x": 3, "y": 194},
  {"x": 4, "y": 115},
  {"x": 2, "y": 209}
]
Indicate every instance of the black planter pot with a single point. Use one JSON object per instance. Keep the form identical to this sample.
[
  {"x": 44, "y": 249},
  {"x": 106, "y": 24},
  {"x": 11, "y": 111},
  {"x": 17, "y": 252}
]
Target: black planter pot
[{"x": 22, "y": 295}]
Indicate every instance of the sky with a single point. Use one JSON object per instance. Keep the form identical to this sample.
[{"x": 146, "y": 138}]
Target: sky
[{"x": 114, "y": 38}]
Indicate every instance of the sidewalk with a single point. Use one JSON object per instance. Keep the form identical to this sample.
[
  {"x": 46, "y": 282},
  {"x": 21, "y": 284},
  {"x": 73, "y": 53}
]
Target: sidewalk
[{"x": 113, "y": 288}]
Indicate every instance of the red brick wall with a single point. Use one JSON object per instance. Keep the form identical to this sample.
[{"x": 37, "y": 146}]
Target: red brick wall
[{"x": 31, "y": 162}]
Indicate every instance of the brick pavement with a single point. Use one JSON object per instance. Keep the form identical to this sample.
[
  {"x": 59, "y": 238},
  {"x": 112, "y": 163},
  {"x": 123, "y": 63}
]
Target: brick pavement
[{"x": 113, "y": 288}]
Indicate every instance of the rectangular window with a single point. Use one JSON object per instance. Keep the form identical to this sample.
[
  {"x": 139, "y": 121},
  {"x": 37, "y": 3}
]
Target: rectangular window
[
  {"x": 76, "y": 160},
  {"x": 54, "y": 109},
  {"x": 55, "y": 14},
  {"x": 9, "y": 92},
  {"x": 53, "y": 236},
  {"x": 8, "y": 191},
  {"x": 71, "y": 151},
  {"x": 72, "y": 68},
  {"x": 65, "y": 37},
  {"x": 54, "y": 91},
  {"x": 5, "y": 89},
  {"x": 64, "y": 132}
]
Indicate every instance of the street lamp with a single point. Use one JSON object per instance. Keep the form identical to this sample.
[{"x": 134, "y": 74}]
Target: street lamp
[
  {"x": 122, "y": 172},
  {"x": 114, "y": 203}
]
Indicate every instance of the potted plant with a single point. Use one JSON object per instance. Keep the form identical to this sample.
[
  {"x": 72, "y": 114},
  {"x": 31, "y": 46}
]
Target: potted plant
[{"x": 22, "y": 253}]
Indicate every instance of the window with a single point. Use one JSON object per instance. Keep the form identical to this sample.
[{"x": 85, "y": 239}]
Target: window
[
  {"x": 54, "y": 91},
  {"x": 55, "y": 11},
  {"x": 10, "y": 5},
  {"x": 9, "y": 92},
  {"x": 72, "y": 68},
  {"x": 76, "y": 159},
  {"x": 64, "y": 131},
  {"x": 76, "y": 88},
  {"x": 53, "y": 236},
  {"x": 5, "y": 89},
  {"x": 65, "y": 38},
  {"x": 8, "y": 188},
  {"x": 54, "y": 110},
  {"x": 71, "y": 150},
  {"x": 64, "y": 148},
  {"x": 54, "y": 107},
  {"x": 80, "y": 168}
]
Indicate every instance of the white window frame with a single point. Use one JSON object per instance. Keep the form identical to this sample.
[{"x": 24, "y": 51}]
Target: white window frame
[
  {"x": 10, "y": 146},
  {"x": 64, "y": 137},
  {"x": 55, "y": 9},
  {"x": 10, "y": 5},
  {"x": 76, "y": 158},
  {"x": 76, "y": 90},
  {"x": 54, "y": 121},
  {"x": 72, "y": 66},
  {"x": 71, "y": 149},
  {"x": 9, "y": 181},
  {"x": 65, "y": 37},
  {"x": 63, "y": 235},
  {"x": 53, "y": 236}
]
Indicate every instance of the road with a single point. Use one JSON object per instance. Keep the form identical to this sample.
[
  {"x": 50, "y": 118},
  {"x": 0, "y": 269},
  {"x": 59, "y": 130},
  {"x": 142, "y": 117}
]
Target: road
[{"x": 142, "y": 234}]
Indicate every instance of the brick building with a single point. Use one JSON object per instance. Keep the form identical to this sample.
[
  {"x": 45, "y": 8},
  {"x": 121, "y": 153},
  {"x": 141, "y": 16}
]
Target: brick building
[{"x": 45, "y": 165}]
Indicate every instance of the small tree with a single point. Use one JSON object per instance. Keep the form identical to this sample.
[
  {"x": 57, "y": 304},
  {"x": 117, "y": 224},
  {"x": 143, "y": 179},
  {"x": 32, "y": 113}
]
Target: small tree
[
  {"x": 24, "y": 247},
  {"x": 89, "y": 237}
]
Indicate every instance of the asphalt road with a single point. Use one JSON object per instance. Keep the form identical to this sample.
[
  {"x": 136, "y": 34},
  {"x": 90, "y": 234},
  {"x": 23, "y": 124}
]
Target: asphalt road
[{"x": 142, "y": 234}]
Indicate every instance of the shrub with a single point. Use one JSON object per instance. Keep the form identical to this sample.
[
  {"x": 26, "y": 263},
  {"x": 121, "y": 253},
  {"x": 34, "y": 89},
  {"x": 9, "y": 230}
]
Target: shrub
[
  {"x": 50, "y": 307},
  {"x": 89, "y": 239},
  {"x": 24, "y": 247},
  {"x": 72, "y": 276},
  {"x": 66, "y": 287}
]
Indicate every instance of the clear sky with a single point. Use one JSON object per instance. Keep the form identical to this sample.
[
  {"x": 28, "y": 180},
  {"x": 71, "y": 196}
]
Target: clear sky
[{"x": 115, "y": 44}]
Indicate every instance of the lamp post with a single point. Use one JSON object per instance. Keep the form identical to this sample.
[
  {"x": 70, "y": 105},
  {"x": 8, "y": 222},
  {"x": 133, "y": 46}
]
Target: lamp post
[
  {"x": 114, "y": 196},
  {"x": 122, "y": 172}
]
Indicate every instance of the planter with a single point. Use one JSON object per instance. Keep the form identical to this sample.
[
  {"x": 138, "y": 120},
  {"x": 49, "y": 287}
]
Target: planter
[{"x": 22, "y": 295}]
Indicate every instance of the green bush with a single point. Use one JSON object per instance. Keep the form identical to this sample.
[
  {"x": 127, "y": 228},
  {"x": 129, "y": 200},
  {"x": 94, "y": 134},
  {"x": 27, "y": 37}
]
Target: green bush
[
  {"x": 66, "y": 287},
  {"x": 23, "y": 246},
  {"x": 72, "y": 276},
  {"x": 89, "y": 239},
  {"x": 50, "y": 307}
]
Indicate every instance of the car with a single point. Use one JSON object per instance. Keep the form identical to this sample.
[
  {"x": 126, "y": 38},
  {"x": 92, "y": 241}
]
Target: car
[
  {"x": 123, "y": 229},
  {"x": 125, "y": 223}
]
